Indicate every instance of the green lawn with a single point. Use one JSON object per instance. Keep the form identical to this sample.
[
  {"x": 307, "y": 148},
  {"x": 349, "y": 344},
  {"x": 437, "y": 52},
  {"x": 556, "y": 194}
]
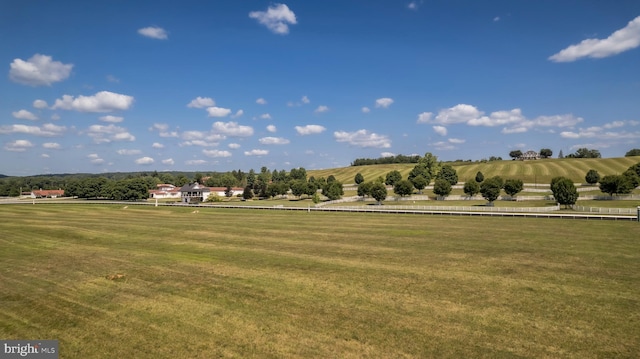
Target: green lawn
[{"x": 206, "y": 282}]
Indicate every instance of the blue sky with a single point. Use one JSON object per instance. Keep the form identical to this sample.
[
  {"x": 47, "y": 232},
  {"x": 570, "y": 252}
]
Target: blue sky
[{"x": 219, "y": 85}]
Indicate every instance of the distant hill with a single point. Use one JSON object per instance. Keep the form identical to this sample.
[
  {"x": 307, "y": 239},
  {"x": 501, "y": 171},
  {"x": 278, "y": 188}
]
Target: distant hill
[
  {"x": 538, "y": 171},
  {"x": 3, "y": 176}
]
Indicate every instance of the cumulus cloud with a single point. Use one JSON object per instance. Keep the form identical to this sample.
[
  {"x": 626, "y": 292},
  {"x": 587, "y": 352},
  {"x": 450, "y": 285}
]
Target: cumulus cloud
[
  {"x": 271, "y": 128},
  {"x": 305, "y": 99},
  {"x": 366, "y": 110},
  {"x": 168, "y": 161},
  {"x": 216, "y": 153},
  {"x": 499, "y": 118},
  {"x": 261, "y": 101},
  {"x": 39, "y": 70},
  {"x": 232, "y": 129},
  {"x": 234, "y": 146},
  {"x": 321, "y": 109},
  {"x": 218, "y": 111},
  {"x": 111, "y": 119},
  {"x": 40, "y": 104},
  {"x": 51, "y": 146},
  {"x": 18, "y": 146},
  {"x": 238, "y": 114},
  {"x": 201, "y": 138},
  {"x": 157, "y": 145},
  {"x": 144, "y": 161},
  {"x": 460, "y": 113},
  {"x": 103, "y": 101},
  {"x": 441, "y": 130},
  {"x": 195, "y": 162},
  {"x": 265, "y": 116},
  {"x": 456, "y": 140},
  {"x": 621, "y": 40},
  {"x": 387, "y": 154},
  {"x": 277, "y": 18},
  {"x": 128, "y": 152},
  {"x": 154, "y": 32},
  {"x": 310, "y": 129},
  {"x": 363, "y": 138},
  {"x": 256, "y": 153},
  {"x": 443, "y": 146},
  {"x": 24, "y": 115},
  {"x": 424, "y": 117},
  {"x": 605, "y": 132},
  {"x": 95, "y": 159},
  {"x": 201, "y": 102},
  {"x": 110, "y": 133},
  {"x": 46, "y": 130},
  {"x": 384, "y": 102},
  {"x": 163, "y": 130},
  {"x": 274, "y": 141}
]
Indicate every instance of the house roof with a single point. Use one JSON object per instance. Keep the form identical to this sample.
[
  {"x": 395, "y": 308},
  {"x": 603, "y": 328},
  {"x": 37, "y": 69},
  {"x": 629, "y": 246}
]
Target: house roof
[
  {"x": 191, "y": 187},
  {"x": 48, "y": 192}
]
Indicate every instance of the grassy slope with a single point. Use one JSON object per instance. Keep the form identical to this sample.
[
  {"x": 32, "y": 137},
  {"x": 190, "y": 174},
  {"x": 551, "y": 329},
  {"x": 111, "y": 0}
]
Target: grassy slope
[
  {"x": 242, "y": 283},
  {"x": 541, "y": 171}
]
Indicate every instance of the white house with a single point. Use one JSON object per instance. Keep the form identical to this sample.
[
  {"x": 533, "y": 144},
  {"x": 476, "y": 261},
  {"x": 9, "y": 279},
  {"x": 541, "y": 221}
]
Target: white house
[{"x": 529, "y": 155}]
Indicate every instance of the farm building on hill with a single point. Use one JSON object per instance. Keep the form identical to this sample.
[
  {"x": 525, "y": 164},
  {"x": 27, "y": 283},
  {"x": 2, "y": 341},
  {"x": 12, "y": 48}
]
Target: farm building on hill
[
  {"x": 165, "y": 191},
  {"x": 529, "y": 155},
  {"x": 195, "y": 192},
  {"x": 47, "y": 193}
]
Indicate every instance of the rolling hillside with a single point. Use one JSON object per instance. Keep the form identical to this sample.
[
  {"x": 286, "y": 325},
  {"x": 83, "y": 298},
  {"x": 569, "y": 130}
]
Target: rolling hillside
[{"x": 540, "y": 171}]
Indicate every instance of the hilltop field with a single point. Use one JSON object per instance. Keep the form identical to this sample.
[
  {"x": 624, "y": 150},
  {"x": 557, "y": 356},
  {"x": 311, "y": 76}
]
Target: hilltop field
[{"x": 534, "y": 172}]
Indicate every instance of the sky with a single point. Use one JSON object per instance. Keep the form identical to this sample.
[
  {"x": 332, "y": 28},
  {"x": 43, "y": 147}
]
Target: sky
[{"x": 221, "y": 85}]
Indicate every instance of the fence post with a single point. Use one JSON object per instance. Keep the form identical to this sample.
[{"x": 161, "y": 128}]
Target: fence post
[{"x": 638, "y": 213}]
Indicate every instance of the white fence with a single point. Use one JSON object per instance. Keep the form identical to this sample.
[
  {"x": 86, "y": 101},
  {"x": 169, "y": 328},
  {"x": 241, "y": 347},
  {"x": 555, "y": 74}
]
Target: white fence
[
  {"x": 605, "y": 210},
  {"x": 460, "y": 208}
]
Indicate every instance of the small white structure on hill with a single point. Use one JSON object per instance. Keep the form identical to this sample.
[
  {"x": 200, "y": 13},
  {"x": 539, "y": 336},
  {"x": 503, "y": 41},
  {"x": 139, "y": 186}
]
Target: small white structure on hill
[{"x": 529, "y": 155}]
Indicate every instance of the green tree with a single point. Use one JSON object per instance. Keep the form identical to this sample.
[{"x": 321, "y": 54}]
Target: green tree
[
  {"x": 430, "y": 162},
  {"x": 442, "y": 187},
  {"x": 392, "y": 178},
  {"x": 378, "y": 192},
  {"x": 311, "y": 189},
  {"x": 560, "y": 155},
  {"x": 471, "y": 188},
  {"x": 633, "y": 152},
  {"x": 585, "y": 153},
  {"x": 546, "y": 153},
  {"x": 490, "y": 188},
  {"x": 364, "y": 189},
  {"x": 298, "y": 174},
  {"x": 592, "y": 176},
  {"x": 419, "y": 182},
  {"x": 635, "y": 168},
  {"x": 403, "y": 188},
  {"x": 448, "y": 173},
  {"x": 514, "y": 155},
  {"x": 359, "y": 178},
  {"x": 333, "y": 190},
  {"x": 479, "y": 177},
  {"x": 331, "y": 179},
  {"x": 298, "y": 188},
  {"x": 513, "y": 186},
  {"x": 615, "y": 184},
  {"x": 564, "y": 191},
  {"x": 247, "y": 193}
]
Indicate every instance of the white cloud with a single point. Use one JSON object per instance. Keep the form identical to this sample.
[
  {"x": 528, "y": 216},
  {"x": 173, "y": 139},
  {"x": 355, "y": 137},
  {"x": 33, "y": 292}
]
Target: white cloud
[
  {"x": 277, "y": 18},
  {"x": 18, "y": 146},
  {"x": 218, "y": 111},
  {"x": 271, "y": 128},
  {"x": 456, "y": 140},
  {"x": 40, "y": 104},
  {"x": 305, "y": 99},
  {"x": 113, "y": 79},
  {"x": 51, "y": 145},
  {"x": 216, "y": 153},
  {"x": 387, "y": 154},
  {"x": 232, "y": 129},
  {"x": 460, "y": 113},
  {"x": 24, "y": 115},
  {"x": 201, "y": 138},
  {"x": 274, "y": 141},
  {"x": 163, "y": 130},
  {"x": 201, "y": 102},
  {"x": 55, "y": 117},
  {"x": 103, "y": 101},
  {"x": 195, "y": 162},
  {"x": 366, "y": 110},
  {"x": 95, "y": 159},
  {"x": 441, "y": 130},
  {"x": 128, "y": 152},
  {"x": 238, "y": 114},
  {"x": 44, "y": 155},
  {"x": 622, "y": 40},
  {"x": 424, "y": 117},
  {"x": 157, "y": 145},
  {"x": 110, "y": 133},
  {"x": 384, "y": 102},
  {"x": 144, "y": 161},
  {"x": 256, "y": 153},
  {"x": 154, "y": 32},
  {"x": 168, "y": 161},
  {"x": 310, "y": 129},
  {"x": 363, "y": 138},
  {"x": 265, "y": 116},
  {"x": 261, "y": 101},
  {"x": 47, "y": 130},
  {"x": 413, "y": 5},
  {"x": 112, "y": 119},
  {"x": 321, "y": 109},
  {"x": 234, "y": 146},
  {"x": 496, "y": 19},
  {"x": 39, "y": 70},
  {"x": 499, "y": 118},
  {"x": 443, "y": 146}
]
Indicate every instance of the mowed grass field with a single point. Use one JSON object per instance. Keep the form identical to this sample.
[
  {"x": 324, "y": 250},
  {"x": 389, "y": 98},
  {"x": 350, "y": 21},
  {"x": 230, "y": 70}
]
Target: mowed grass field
[
  {"x": 539, "y": 171},
  {"x": 270, "y": 284}
]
